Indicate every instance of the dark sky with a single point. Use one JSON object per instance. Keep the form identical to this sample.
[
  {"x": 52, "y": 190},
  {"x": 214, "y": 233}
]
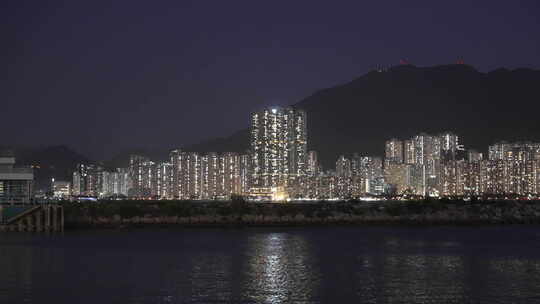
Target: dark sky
[{"x": 106, "y": 76}]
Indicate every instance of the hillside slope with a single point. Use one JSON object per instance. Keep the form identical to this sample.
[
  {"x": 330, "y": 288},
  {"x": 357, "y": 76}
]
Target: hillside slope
[{"x": 359, "y": 116}]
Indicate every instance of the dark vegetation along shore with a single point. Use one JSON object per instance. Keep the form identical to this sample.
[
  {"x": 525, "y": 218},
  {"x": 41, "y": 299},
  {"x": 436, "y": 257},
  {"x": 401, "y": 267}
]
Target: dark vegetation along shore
[{"x": 126, "y": 214}]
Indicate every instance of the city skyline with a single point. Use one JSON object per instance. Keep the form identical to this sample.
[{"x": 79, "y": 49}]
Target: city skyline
[
  {"x": 279, "y": 167},
  {"x": 270, "y": 151}
]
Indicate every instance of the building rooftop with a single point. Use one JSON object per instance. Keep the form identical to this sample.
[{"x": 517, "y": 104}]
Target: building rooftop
[{"x": 9, "y": 172}]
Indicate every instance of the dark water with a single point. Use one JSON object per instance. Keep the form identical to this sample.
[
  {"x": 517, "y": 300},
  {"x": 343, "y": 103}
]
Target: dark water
[{"x": 274, "y": 265}]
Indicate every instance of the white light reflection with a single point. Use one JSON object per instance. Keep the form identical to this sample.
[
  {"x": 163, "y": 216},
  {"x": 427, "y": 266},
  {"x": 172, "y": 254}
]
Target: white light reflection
[{"x": 281, "y": 270}]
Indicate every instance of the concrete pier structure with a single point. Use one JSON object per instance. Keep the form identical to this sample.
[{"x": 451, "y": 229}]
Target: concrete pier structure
[{"x": 35, "y": 218}]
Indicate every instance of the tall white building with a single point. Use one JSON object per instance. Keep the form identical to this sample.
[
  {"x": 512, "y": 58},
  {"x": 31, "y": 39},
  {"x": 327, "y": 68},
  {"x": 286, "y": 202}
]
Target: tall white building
[
  {"x": 210, "y": 175},
  {"x": 245, "y": 173},
  {"x": 408, "y": 152},
  {"x": 449, "y": 146},
  {"x": 343, "y": 167},
  {"x": 164, "y": 179},
  {"x": 312, "y": 163},
  {"x": 394, "y": 151},
  {"x": 191, "y": 176},
  {"x": 115, "y": 183},
  {"x": 87, "y": 180},
  {"x": 278, "y": 147},
  {"x": 229, "y": 173},
  {"x": 140, "y": 170}
]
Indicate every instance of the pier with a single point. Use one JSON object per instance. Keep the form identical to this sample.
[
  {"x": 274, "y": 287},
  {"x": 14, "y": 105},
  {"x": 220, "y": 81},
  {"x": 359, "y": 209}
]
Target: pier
[{"x": 32, "y": 218}]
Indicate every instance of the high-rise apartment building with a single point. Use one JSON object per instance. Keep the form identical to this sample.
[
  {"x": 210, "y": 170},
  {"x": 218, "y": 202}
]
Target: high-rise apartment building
[
  {"x": 175, "y": 158},
  {"x": 210, "y": 175},
  {"x": 394, "y": 151},
  {"x": 428, "y": 154},
  {"x": 245, "y": 173},
  {"x": 512, "y": 168},
  {"x": 520, "y": 151},
  {"x": 79, "y": 180},
  {"x": 408, "y": 152},
  {"x": 229, "y": 173},
  {"x": 278, "y": 147},
  {"x": 140, "y": 175},
  {"x": 452, "y": 178},
  {"x": 312, "y": 163},
  {"x": 497, "y": 151},
  {"x": 418, "y": 179},
  {"x": 109, "y": 183},
  {"x": 343, "y": 178},
  {"x": 367, "y": 174},
  {"x": 191, "y": 176},
  {"x": 449, "y": 146},
  {"x": 343, "y": 167},
  {"x": 124, "y": 181},
  {"x": 474, "y": 156},
  {"x": 164, "y": 180},
  {"x": 88, "y": 180},
  {"x": 397, "y": 176},
  {"x": 76, "y": 186}
]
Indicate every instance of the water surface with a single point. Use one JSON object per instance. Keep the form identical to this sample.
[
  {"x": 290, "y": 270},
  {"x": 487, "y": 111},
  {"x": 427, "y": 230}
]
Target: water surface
[{"x": 274, "y": 265}]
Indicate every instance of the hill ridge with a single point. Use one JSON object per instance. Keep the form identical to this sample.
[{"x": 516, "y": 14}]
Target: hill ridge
[{"x": 401, "y": 101}]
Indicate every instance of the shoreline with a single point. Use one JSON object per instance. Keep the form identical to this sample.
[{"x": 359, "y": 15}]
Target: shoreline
[
  {"x": 239, "y": 214},
  {"x": 245, "y": 215}
]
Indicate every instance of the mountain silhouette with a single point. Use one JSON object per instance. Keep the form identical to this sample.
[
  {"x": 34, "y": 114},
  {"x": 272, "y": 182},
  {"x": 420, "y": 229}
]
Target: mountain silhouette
[
  {"x": 402, "y": 101},
  {"x": 359, "y": 116}
]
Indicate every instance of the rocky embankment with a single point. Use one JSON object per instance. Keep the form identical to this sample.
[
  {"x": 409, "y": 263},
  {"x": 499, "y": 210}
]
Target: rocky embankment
[{"x": 140, "y": 214}]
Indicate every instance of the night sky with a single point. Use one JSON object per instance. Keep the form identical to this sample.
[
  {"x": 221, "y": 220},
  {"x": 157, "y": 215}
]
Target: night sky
[{"x": 106, "y": 76}]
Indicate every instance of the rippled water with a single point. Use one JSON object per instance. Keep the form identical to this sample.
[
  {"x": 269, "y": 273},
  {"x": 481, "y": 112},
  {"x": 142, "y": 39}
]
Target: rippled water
[{"x": 274, "y": 265}]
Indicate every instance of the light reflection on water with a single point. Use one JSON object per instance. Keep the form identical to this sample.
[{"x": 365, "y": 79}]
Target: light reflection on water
[
  {"x": 293, "y": 265},
  {"x": 281, "y": 269}
]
